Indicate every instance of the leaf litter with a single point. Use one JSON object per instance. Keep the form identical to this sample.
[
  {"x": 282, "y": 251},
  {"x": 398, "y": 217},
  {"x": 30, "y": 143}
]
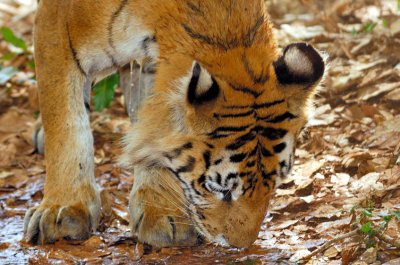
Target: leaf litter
[{"x": 349, "y": 152}]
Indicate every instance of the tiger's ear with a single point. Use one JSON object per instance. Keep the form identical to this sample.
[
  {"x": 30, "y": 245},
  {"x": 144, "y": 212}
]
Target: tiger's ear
[
  {"x": 301, "y": 65},
  {"x": 202, "y": 87}
]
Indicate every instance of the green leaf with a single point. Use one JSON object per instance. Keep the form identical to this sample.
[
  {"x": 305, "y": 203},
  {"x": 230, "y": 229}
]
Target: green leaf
[
  {"x": 369, "y": 27},
  {"x": 7, "y": 73},
  {"x": 367, "y": 212},
  {"x": 384, "y": 23},
  {"x": 397, "y": 214},
  {"x": 398, "y": 4},
  {"x": 8, "y": 56},
  {"x": 250, "y": 262},
  {"x": 31, "y": 64},
  {"x": 9, "y": 36},
  {"x": 104, "y": 92},
  {"x": 366, "y": 228},
  {"x": 229, "y": 262},
  {"x": 387, "y": 218},
  {"x": 353, "y": 32}
]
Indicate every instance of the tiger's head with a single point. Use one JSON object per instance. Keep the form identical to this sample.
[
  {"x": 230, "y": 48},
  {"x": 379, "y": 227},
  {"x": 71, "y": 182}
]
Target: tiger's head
[{"x": 223, "y": 120}]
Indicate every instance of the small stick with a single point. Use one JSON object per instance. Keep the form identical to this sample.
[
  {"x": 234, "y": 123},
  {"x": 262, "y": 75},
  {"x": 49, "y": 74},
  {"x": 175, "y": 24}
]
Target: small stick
[
  {"x": 389, "y": 240},
  {"x": 328, "y": 19},
  {"x": 331, "y": 242}
]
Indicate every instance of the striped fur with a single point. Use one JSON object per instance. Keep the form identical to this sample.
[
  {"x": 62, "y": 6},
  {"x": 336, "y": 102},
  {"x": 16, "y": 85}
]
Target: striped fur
[{"x": 209, "y": 143}]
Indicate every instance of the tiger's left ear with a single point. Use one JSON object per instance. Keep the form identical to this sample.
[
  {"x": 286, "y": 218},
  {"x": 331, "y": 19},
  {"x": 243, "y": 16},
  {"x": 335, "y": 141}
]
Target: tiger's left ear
[{"x": 300, "y": 65}]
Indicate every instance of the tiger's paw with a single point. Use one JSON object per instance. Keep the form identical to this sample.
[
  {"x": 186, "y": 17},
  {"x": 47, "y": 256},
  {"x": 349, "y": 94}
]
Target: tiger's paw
[
  {"x": 46, "y": 223},
  {"x": 160, "y": 222}
]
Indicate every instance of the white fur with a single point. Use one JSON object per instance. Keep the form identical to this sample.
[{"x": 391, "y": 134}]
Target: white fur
[
  {"x": 127, "y": 47},
  {"x": 224, "y": 169},
  {"x": 285, "y": 155},
  {"x": 298, "y": 62},
  {"x": 205, "y": 82}
]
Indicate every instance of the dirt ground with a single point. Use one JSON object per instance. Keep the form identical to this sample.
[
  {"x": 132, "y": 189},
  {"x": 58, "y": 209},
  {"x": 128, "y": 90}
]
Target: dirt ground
[{"x": 346, "y": 175}]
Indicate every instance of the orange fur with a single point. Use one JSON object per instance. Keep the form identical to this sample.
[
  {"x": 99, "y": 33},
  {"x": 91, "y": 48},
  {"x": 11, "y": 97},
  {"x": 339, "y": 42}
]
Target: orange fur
[{"x": 76, "y": 40}]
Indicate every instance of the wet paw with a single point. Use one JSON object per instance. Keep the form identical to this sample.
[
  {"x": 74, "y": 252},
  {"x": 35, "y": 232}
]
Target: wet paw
[
  {"x": 46, "y": 224},
  {"x": 158, "y": 221}
]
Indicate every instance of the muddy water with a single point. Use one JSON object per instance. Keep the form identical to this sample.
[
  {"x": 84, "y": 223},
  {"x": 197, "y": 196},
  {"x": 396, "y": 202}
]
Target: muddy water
[{"x": 110, "y": 248}]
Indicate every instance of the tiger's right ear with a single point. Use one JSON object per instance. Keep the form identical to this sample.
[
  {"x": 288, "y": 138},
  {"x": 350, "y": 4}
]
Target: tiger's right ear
[{"x": 300, "y": 65}]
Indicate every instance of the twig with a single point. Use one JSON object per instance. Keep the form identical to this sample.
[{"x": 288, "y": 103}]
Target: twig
[
  {"x": 389, "y": 240},
  {"x": 328, "y": 19},
  {"x": 327, "y": 244},
  {"x": 9, "y": 9},
  {"x": 331, "y": 242}
]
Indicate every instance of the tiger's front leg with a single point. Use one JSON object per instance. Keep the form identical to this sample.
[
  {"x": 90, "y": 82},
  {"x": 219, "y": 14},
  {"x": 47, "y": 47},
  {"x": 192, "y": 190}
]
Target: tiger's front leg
[
  {"x": 71, "y": 204},
  {"x": 158, "y": 210}
]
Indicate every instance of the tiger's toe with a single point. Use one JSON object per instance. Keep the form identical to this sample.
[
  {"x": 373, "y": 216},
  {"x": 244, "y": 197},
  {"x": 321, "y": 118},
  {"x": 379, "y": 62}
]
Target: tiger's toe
[{"x": 158, "y": 222}]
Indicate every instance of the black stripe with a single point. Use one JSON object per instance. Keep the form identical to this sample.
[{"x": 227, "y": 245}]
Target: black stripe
[
  {"x": 251, "y": 163},
  {"x": 219, "y": 136},
  {"x": 253, "y": 152},
  {"x": 202, "y": 179},
  {"x": 290, "y": 161},
  {"x": 216, "y": 162},
  {"x": 210, "y": 145},
  {"x": 194, "y": 7},
  {"x": 267, "y": 177},
  {"x": 219, "y": 179},
  {"x": 187, "y": 146},
  {"x": 203, "y": 38},
  {"x": 257, "y": 79},
  {"x": 194, "y": 188},
  {"x": 171, "y": 222},
  {"x": 283, "y": 117},
  {"x": 273, "y": 133},
  {"x": 235, "y": 145},
  {"x": 178, "y": 151},
  {"x": 224, "y": 131},
  {"x": 206, "y": 156},
  {"x": 188, "y": 167},
  {"x": 246, "y": 90},
  {"x": 264, "y": 118},
  {"x": 268, "y": 104},
  {"x": 139, "y": 222},
  {"x": 244, "y": 174},
  {"x": 279, "y": 148},
  {"x": 246, "y": 137},
  {"x": 251, "y": 34},
  {"x": 265, "y": 152},
  {"x": 237, "y": 115},
  {"x": 111, "y": 24},
  {"x": 256, "y": 106},
  {"x": 74, "y": 54},
  {"x": 231, "y": 176},
  {"x": 185, "y": 186},
  {"x": 237, "y": 158},
  {"x": 242, "y": 140},
  {"x": 257, "y": 129}
]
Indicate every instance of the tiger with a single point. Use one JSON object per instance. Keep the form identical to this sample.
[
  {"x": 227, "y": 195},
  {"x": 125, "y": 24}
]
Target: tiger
[{"x": 215, "y": 136}]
